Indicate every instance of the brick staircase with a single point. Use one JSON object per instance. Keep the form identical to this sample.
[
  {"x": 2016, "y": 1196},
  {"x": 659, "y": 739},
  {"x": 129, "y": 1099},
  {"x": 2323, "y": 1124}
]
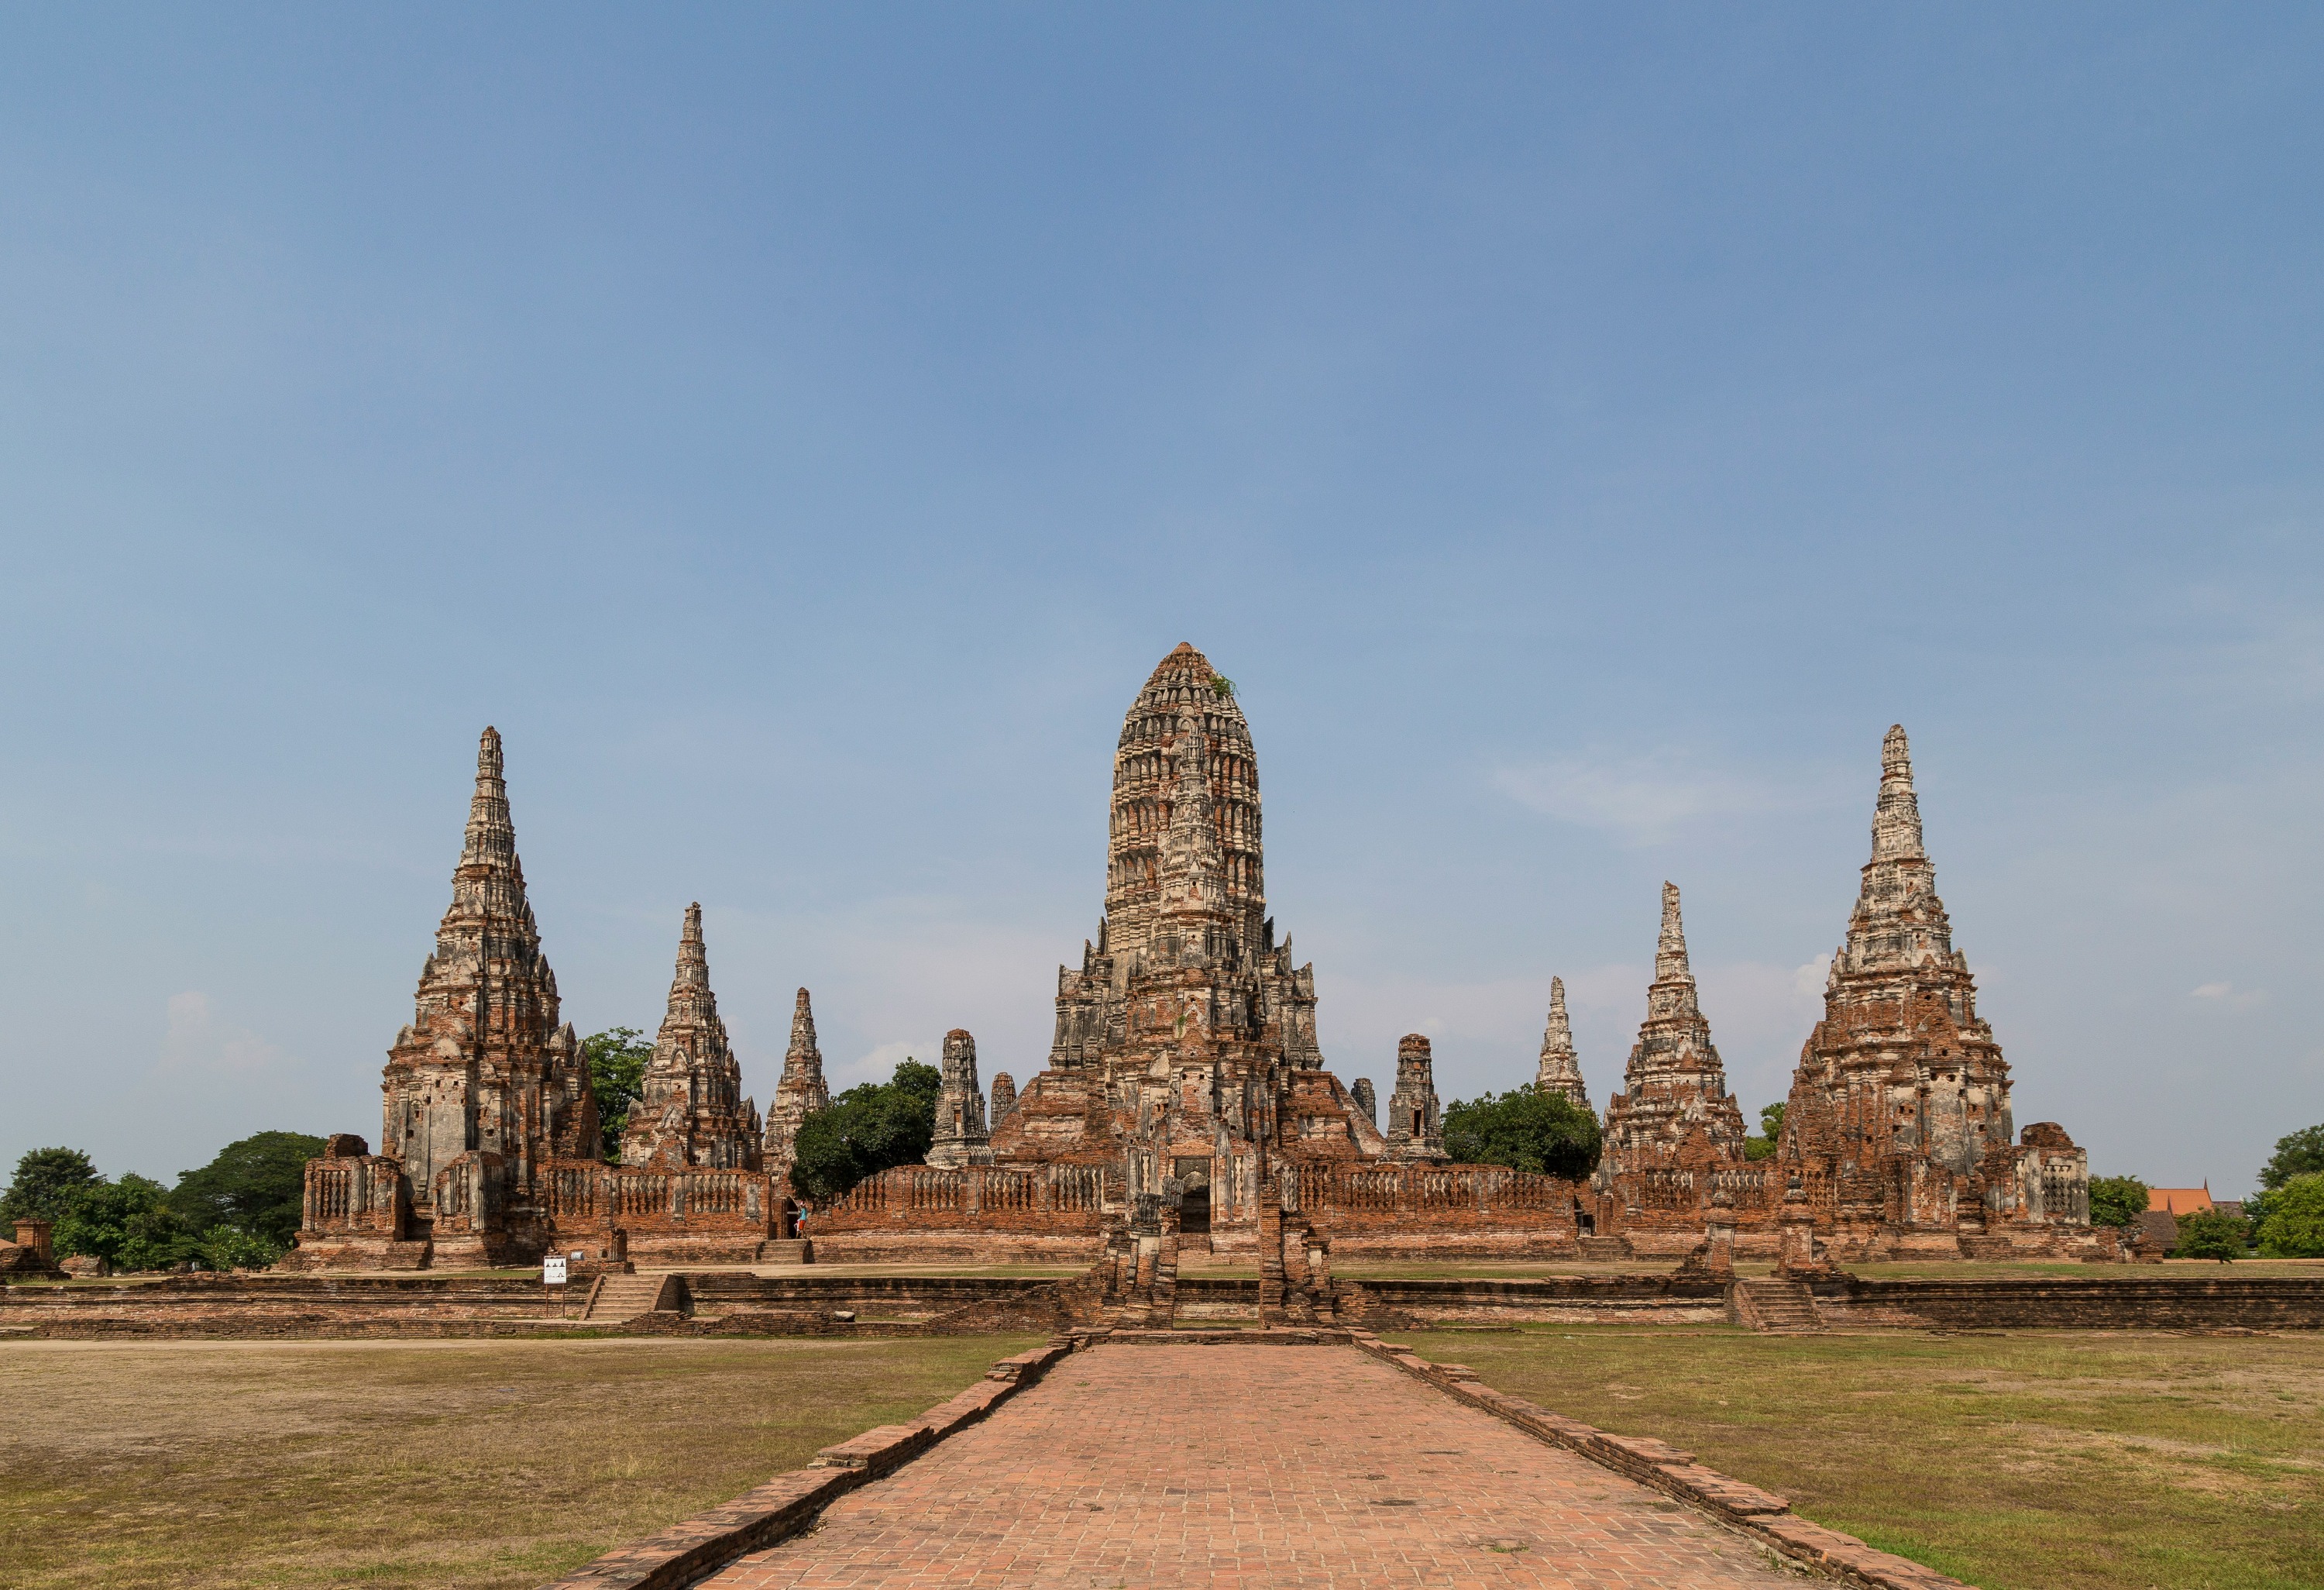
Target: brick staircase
[
  {"x": 1775, "y": 1304},
  {"x": 615, "y": 1298},
  {"x": 1605, "y": 1247}
]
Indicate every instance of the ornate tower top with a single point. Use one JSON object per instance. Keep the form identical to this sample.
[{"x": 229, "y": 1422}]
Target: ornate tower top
[
  {"x": 1675, "y": 1036},
  {"x": 1899, "y": 923},
  {"x": 1561, "y": 1069},
  {"x": 1897, "y": 820},
  {"x": 803, "y": 1060},
  {"x": 1151, "y": 781}
]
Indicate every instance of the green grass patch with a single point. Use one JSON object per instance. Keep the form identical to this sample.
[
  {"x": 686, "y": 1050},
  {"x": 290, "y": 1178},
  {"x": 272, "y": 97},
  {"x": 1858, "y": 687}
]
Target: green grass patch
[
  {"x": 413, "y": 1465},
  {"x": 2049, "y": 1460}
]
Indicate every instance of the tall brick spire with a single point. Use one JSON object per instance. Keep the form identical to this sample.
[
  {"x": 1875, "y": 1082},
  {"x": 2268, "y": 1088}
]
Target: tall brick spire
[
  {"x": 801, "y": 1092},
  {"x": 690, "y": 1110},
  {"x": 483, "y": 1067},
  {"x": 1560, "y": 1070},
  {"x": 1902, "y": 1096}
]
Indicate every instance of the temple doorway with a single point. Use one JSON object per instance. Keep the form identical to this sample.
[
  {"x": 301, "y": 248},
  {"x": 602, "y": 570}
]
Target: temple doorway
[{"x": 1195, "y": 1204}]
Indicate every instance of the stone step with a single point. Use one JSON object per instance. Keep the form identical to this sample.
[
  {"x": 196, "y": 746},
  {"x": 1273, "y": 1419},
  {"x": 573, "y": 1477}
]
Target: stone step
[
  {"x": 624, "y": 1297},
  {"x": 1776, "y": 1305}
]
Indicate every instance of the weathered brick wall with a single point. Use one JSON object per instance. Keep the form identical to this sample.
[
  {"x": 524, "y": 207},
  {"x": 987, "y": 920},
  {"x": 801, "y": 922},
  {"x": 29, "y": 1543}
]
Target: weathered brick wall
[{"x": 2135, "y": 1301}]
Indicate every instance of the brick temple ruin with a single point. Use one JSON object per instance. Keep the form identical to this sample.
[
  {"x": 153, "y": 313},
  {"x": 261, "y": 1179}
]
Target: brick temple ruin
[
  {"x": 1896, "y": 1136},
  {"x": 1185, "y": 1106},
  {"x": 489, "y": 1135}
]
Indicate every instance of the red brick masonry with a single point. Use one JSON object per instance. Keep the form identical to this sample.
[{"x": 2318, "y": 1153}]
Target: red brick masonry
[{"x": 1123, "y": 1470}]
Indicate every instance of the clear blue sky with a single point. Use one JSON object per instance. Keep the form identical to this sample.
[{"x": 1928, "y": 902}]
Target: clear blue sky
[{"x": 1580, "y": 432}]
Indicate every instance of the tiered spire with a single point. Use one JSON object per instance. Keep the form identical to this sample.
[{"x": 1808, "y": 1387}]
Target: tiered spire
[
  {"x": 1902, "y": 1093},
  {"x": 1674, "y": 1111},
  {"x": 690, "y": 1110},
  {"x": 1561, "y": 1069},
  {"x": 1899, "y": 923},
  {"x": 801, "y": 1092},
  {"x": 482, "y": 1065}
]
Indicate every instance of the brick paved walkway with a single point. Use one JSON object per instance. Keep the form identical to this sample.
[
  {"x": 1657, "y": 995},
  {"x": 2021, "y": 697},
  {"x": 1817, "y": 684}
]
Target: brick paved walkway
[{"x": 1137, "y": 1466}]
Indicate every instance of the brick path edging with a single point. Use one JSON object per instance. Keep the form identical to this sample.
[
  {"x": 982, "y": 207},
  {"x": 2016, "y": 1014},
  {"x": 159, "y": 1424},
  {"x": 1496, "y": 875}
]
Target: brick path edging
[
  {"x": 691, "y": 1550},
  {"x": 1761, "y": 1514}
]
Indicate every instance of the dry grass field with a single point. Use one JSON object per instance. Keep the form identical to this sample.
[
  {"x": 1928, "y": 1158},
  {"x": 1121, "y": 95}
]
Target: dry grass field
[
  {"x": 412, "y": 1465},
  {"x": 2034, "y": 1460}
]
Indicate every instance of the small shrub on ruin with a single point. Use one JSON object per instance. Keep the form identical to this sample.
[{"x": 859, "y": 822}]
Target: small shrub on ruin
[
  {"x": 1524, "y": 1129},
  {"x": 617, "y": 1072},
  {"x": 2116, "y": 1200},
  {"x": 865, "y": 1130}
]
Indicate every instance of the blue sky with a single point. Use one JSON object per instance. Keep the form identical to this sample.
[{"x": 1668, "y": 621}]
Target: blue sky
[{"x": 1581, "y": 433}]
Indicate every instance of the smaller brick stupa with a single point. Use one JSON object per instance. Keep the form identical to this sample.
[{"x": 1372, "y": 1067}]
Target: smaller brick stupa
[
  {"x": 801, "y": 1092},
  {"x": 690, "y": 1110},
  {"x": 1673, "y": 1128},
  {"x": 1560, "y": 1070}
]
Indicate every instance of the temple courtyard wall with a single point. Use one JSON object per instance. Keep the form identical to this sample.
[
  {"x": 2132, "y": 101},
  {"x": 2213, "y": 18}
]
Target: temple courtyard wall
[{"x": 717, "y": 1302}]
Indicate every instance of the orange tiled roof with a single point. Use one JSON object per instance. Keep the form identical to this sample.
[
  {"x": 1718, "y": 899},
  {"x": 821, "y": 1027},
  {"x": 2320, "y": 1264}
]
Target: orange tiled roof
[{"x": 2179, "y": 1200}]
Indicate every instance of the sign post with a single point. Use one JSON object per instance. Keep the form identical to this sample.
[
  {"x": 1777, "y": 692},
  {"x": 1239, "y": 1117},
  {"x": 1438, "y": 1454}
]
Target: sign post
[{"x": 552, "y": 1275}]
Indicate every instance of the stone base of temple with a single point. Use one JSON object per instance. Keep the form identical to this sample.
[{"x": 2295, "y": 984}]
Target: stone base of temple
[
  {"x": 1452, "y": 1246},
  {"x": 956, "y": 1246},
  {"x": 673, "y": 1252}
]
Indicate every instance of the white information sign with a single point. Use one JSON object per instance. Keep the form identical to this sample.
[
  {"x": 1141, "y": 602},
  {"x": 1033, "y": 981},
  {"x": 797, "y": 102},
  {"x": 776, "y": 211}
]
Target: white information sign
[{"x": 552, "y": 1271}]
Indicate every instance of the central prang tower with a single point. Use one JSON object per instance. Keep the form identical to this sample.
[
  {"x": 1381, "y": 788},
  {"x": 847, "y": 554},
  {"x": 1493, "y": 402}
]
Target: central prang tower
[{"x": 1185, "y": 1042}]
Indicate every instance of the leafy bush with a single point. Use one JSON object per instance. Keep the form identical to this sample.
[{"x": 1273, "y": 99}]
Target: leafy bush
[
  {"x": 1524, "y": 1129},
  {"x": 866, "y": 1130},
  {"x": 2210, "y": 1235},
  {"x": 255, "y": 1187},
  {"x": 2294, "y": 1223},
  {"x": 47, "y": 1182},
  {"x": 1771, "y": 1133},
  {"x": 617, "y": 1071},
  {"x": 2300, "y": 1154},
  {"x": 2116, "y": 1200},
  {"x": 128, "y": 1222}
]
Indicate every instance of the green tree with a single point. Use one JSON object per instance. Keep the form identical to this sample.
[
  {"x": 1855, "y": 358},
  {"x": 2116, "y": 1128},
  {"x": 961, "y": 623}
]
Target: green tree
[
  {"x": 866, "y": 1130},
  {"x": 2295, "y": 1226},
  {"x": 617, "y": 1071},
  {"x": 1526, "y": 1129},
  {"x": 2209, "y": 1233},
  {"x": 2116, "y": 1200},
  {"x": 47, "y": 1182},
  {"x": 256, "y": 1186},
  {"x": 2300, "y": 1154},
  {"x": 1771, "y": 1132},
  {"x": 128, "y": 1222}
]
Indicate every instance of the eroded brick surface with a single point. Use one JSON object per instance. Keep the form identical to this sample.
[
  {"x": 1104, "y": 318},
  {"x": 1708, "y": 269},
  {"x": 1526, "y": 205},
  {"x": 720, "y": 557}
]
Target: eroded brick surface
[{"x": 1230, "y": 1465}]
